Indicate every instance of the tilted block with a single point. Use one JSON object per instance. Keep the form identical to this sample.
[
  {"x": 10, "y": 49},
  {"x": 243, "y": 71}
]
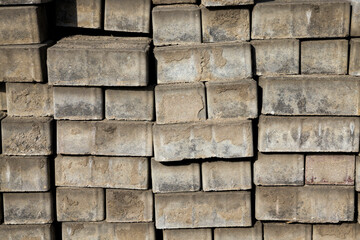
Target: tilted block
[
  {"x": 24, "y": 174},
  {"x": 176, "y": 24},
  {"x": 308, "y": 204},
  {"x": 279, "y": 169},
  {"x": 78, "y": 103},
  {"x": 232, "y": 99},
  {"x": 28, "y": 208},
  {"x": 203, "y": 62},
  {"x": 18, "y": 232},
  {"x": 23, "y": 25},
  {"x": 218, "y": 3},
  {"x": 354, "y": 60},
  {"x": 310, "y": 95},
  {"x": 180, "y": 103},
  {"x": 249, "y": 233},
  {"x": 349, "y": 231},
  {"x": 118, "y": 231},
  {"x": 300, "y": 20},
  {"x": 222, "y": 25},
  {"x": 280, "y": 56},
  {"x": 308, "y": 134},
  {"x": 198, "y": 210},
  {"x": 27, "y": 136},
  {"x": 222, "y": 139},
  {"x": 129, "y": 205},
  {"x": 80, "y": 204},
  {"x": 88, "y": 171},
  {"x": 127, "y": 15},
  {"x": 29, "y": 99},
  {"x": 324, "y": 57},
  {"x": 79, "y": 13},
  {"x": 115, "y": 138},
  {"x": 189, "y": 234},
  {"x": 23, "y": 63},
  {"x": 111, "y": 61},
  {"x": 175, "y": 178},
  {"x": 285, "y": 231}
]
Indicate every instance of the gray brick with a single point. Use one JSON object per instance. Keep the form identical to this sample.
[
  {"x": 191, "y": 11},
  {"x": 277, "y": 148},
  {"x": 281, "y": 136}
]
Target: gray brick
[
  {"x": 216, "y": 3},
  {"x": 20, "y": 232},
  {"x": 189, "y": 234},
  {"x": 253, "y": 233},
  {"x": 285, "y": 231}
]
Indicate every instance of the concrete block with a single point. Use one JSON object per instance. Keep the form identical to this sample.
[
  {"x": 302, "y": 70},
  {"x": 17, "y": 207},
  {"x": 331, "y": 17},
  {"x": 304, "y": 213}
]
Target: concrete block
[
  {"x": 203, "y": 62},
  {"x": 24, "y": 174},
  {"x": 310, "y": 95},
  {"x": 330, "y": 169},
  {"x": 324, "y": 57},
  {"x": 20, "y": 232},
  {"x": 279, "y": 56},
  {"x": 354, "y": 60},
  {"x": 222, "y": 139},
  {"x": 285, "y": 231},
  {"x": 160, "y": 2},
  {"x": 105, "y": 172},
  {"x": 308, "y": 134},
  {"x": 23, "y": 25},
  {"x": 300, "y": 20},
  {"x": 127, "y": 15},
  {"x": 222, "y": 25},
  {"x": 344, "y": 231},
  {"x": 27, "y": 136},
  {"x": 199, "y": 210},
  {"x": 23, "y": 2},
  {"x": 111, "y": 61},
  {"x": 357, "y": 173},
  {"x": 279, "y": 169},
  {"x": 29, "y": 99},
  {"x": 115, "y": 138},
  {"x": 232, "y": 99},
  {"x": 78, "y": 103},
  {"x": 1, "y": 209},
  {"x": 80, "y": 204},
  {"x": 218, "y": 3},
  {"x": 189, "y": 234},
  {"x": 308, "y": 204},
  {"x": 180, "y": 103},
  {"x": 129, "y": 104},
  {"x": 3, "y": 105},
  {"x": 355, "y": 18},
  {"x": 253, "y": 233},
  {"x": 28, "y": 208},
  {"x": 79, "y": 13},
  {"x": 129, "y": 205},
  {"x": 176, "y": 24},
  {"x": 118, "y": 231},
  {"x": 175, "y": 178},
  {"x": 226, "y": 176},
  {"x": 23, "y": 63}
]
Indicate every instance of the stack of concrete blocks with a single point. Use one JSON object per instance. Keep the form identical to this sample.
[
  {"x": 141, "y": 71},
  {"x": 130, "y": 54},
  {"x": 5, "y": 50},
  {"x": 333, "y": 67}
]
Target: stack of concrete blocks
[{"x": 27, "y": 130}]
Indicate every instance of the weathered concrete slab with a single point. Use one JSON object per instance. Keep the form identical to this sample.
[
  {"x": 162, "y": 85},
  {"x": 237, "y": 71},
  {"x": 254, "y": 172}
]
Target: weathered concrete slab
[
  {"x": 23, "y": 2},
  {"x": 217, "y": 3},
  {"x": 159, "y": 2},
  {"x": 285, "y": 231},
  {"x": 18, "y": 232},
  {"x": 348, "y": 231},
  {"x": 189, "y": 234},
  {"x": 249, "y": 233},
  {"x": 354, "y": 60}
]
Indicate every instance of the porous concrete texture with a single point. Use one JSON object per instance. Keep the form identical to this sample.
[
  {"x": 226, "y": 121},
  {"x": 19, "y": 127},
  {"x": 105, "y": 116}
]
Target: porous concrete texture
[
  {"x": 330, "y": 169},
  {"x": 222, "y": 25},
  {"x": 78, "y": 103},
  {"x": 324, "y": 57},
  {"x": 189, "y": 234},
  {"x": 176, "y": 24},
  {"x": 130, "y": 104},
  {"x": 279, "y": 169},
  {"x": 129, "y": 205},
  {"x": 79, "y": 13},
  {"x": 276, "y": 56},
  {"x": 187, "y": 98},
  {"x": 300, "y": 20},
  {"x": 218, "y": 3},
  {"x": 308, "y": 204},
  {"x": 29, "y": 99},
  {"x": 222, "y": 139},
  {"x": 127, "y": 15},
  {"x": 105, "y": 172},
  {"x": 249, "y": 233},
  {"x": 354, "y": 60},
  {"x": 203, "y": 62},
  {"x": 80, "y": 204},
  {"x": 175, "y": 178},
  {"x": 24, "y": 174},
  {"x": 226, "y": 175},
  {"x": 283, "y": 231},
  {"x": 23, "y": 63},
  {"x": 41, "y": 231},
  {"x": 197, "y": 210},
  {"x": 308, "y": 134},
  {"x": 112, "y": 61},
  {"x": 236, "y": 99},
  {"x": 28, "y": 208}
]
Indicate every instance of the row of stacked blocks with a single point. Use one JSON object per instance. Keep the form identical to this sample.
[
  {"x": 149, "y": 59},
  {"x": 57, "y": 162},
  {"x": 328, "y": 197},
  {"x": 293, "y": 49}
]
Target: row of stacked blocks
[{"x": 88, "y": 141}]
